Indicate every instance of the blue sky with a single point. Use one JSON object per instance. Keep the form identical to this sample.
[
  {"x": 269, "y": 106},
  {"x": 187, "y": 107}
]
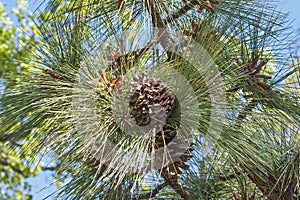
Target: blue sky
[
  {"x": 44, "y": 178},
  {"x": 291, "y": 6}
]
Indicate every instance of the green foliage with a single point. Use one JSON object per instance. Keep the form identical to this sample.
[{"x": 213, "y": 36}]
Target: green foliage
[
  {"x": 13, "y": 170},
  {"x": 17, "y": 41},
  {"x": 67, "y": 105}
]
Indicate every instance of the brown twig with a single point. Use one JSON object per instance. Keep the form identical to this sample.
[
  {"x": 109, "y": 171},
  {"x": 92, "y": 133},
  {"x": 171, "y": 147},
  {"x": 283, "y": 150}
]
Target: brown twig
[
  {"x": 170, "y": 173},
  {"x": 181, "y": 11},
  {"x": 229, "y": 177},
  {"x": 119, "y": 59},
  {"x": 6, "y": 137},
  {"x": 151, "y": 194},
  {"x": 251, "y": 105},
  {"x": 161, "y": 25},
  {"x": 16, "y": 169},
  {"x": 173, "y": 182},
  {"x": 54, "y": 168}
]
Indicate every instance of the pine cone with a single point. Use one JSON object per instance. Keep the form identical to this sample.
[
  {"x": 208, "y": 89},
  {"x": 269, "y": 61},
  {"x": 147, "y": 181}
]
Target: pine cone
[
  {"x": 164, "y": 136},
  {"x": 180, "y": 163},
  {"x": 150, "y": 100}
]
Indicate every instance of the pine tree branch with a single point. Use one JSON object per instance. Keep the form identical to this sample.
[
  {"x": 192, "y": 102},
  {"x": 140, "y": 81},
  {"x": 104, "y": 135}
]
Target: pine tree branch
[
  {"x": 124, "y": 58},
  {"x": 243, "y": 114},
  {"x": 173, "y": 182},
  {"x": 229, "y": 177},
  {"x": 289, "y": 192},
  {"x": 5, "y": 163},
  {"x": 6, "y": 137},
  {"x": 159, "y": 23},
  {"x": 54, "y": 168},
  {"x": 151, "y": 194},
  {"x": 287, "y": 181},
  {"x": 181, "y": 11}
]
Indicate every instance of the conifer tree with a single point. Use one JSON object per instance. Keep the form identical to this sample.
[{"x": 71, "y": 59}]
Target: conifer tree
[{"x": 177, "y": 99}]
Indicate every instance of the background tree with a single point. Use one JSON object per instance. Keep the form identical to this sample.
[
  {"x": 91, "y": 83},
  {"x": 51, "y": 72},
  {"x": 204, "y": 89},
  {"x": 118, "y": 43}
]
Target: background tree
[
  {"x": 18, "y": 38},
  {"x": 84, "y": 65},
  {"x": 16, "y": 44},
  {"x": 17, "y": 41}
]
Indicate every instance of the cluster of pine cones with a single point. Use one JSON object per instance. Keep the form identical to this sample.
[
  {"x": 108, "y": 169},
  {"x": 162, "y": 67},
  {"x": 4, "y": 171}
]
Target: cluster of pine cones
[{"x": 151, "y": 101}]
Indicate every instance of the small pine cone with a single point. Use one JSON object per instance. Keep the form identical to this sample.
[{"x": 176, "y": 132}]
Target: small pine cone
[
  {"x": 179, "y": 164},
  {"x": 174, "y": 169},
  {"x": 164, "y": 136},
  {"x": 182, "y": 165},
  {"x": 150, "y": 99}
]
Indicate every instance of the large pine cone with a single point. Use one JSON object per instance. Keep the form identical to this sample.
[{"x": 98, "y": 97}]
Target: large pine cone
[{"x": 150, "y": 100}]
